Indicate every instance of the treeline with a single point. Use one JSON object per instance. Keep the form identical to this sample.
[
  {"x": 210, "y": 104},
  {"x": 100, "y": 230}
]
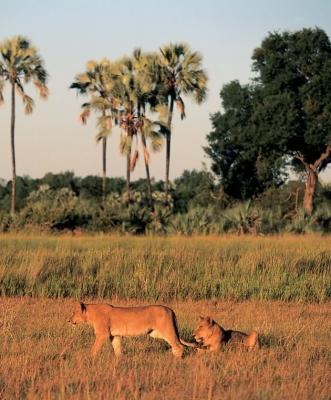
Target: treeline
[
  {"x": 280, "y": 121},
  {"x": 196, "y": 204}
]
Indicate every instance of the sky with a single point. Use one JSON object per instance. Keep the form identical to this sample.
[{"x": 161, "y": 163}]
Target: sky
[{"x": 68, "y": 33}]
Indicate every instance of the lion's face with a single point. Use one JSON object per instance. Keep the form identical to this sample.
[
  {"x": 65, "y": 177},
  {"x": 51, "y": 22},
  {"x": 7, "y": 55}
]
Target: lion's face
[
  {"x": 203, "y": 330},
  {"x": 79, "y": 314}
]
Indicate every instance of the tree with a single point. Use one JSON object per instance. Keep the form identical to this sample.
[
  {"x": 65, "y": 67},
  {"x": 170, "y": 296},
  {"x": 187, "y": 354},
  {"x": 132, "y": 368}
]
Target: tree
[
  {"x": 193, "y": 188},
  {"x": 294, "y": 70},
  {"x": 241, "y": 157},
  {"x": 284, "y": 116},
  {"x": 20, "y": 63},
  {"x": 97, "y": 82},
  {"x": 134, "y": 91},
  {"x": 61, "y": 180},
  {"x": 181, "y": 73},
  {"x": 144, "y": 65}
]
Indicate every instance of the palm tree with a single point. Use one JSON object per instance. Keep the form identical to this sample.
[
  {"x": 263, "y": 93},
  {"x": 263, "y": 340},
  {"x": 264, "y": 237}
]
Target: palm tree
[
  {"x": 135, "y": 92},
  {"x": 123, "y": 91},
  {"x": 20, "y": 63},
  {"x": 145, "y": 67},
  {"x": 181, "y": 73},
  {"x": 96, "y": 82}
]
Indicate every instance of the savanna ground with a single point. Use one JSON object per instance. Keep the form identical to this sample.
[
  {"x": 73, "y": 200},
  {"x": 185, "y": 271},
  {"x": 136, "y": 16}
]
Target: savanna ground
[{"x": 279, "y": 286}]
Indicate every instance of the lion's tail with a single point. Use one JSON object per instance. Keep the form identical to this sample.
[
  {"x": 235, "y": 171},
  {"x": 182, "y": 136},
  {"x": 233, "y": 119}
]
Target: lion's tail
[
  {"x": 177, "y": 333},
  {"x": 252, "y": 340},
  {"x": 195, "y": 345}
]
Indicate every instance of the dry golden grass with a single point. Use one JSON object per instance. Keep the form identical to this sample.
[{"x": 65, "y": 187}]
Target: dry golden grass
[{"x": 293, "y": 362}]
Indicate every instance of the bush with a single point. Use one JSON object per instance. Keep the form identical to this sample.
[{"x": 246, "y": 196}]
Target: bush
[
  {"x": 49, "y": 209},
  {"x": 197, "y": 220},
  {"x": 6, "y": 221},
  {"x": 275, "y": 211},
  {"x": 243, "y": 218}
]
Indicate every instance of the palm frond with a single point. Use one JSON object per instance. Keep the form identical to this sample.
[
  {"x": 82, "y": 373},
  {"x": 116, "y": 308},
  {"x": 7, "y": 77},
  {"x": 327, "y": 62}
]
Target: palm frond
[
  {"x": 91, "y": 65},
  {"x": 99, "y": 103},
  {"x": 85, "y": 113},
  {"x": 1, "y": 91},
  {"x": 146, "y": 155},
  {"x": 134, "y": 160},
  {"x": 181, "y": 72},
  {"x": 163, "y": 112},
  {"x": 105, "y": 125},
  {"x": 181, "y": 107},
  {"x": 156, "y": 140},
  {"x": 81, "y": 87},
  {"x": 101, "y": 134},
  {"x": 108, "y": 122},
  {"x": 125, "y": 143},
  {"x": 162, "y": 127},
  {"x": 21, "y": 63},
  {"x": 28, "y": 103},
  {"x": 43, "y": 89}
]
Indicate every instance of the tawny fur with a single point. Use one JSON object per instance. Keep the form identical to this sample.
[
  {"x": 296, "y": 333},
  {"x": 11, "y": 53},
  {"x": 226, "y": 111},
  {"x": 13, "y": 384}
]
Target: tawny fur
[
  {"x": 211, "y": 336},
  {"x": 112, "y": 323}
]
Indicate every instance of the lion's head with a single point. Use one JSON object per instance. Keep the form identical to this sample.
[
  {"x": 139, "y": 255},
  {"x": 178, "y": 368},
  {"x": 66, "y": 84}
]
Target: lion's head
[
  {"x": 79, "y": 314},
  {"x": 204, "y": 329}
]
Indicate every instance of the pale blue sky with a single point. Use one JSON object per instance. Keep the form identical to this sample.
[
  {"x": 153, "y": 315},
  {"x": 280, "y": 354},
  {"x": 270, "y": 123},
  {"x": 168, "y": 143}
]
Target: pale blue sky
[{"x": 70, "y": 32}]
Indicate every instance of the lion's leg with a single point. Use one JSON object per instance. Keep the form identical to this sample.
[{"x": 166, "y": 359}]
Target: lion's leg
[
  {"x": 116, "y": 343},
  {"x": 99, "y": 341},
  {"x": 176, "y": 348},
  {"x": 252, "y": 341}
]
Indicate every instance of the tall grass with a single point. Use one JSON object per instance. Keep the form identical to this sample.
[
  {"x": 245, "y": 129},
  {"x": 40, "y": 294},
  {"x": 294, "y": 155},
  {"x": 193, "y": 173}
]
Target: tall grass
[{"x": 163, "y": 269}]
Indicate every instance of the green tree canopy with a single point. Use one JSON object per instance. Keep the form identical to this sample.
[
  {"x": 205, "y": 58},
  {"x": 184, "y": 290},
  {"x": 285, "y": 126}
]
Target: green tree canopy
[
  {"x": 243, "y": 160},
  {"x": 285, "y": 115},
  {"x": 294, "y": 70},
  {"x": 193, "y": 188}
]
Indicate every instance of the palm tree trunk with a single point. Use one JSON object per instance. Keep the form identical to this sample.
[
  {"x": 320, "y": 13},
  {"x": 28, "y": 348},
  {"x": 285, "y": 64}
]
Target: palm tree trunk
[
  {"x": 12, "y": 136},
  {"x": 168, "y": 141},
  {"x": 148, "y": 176},
  {"x": 104, "y": 167},
  {"x": 128, "y": 174}
]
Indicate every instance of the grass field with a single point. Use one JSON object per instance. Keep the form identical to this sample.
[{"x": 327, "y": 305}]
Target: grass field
[
  {"x": 165, "y": 269},
  {"x": 279, "y": 286},
  {"x": 293, "y": 362}
]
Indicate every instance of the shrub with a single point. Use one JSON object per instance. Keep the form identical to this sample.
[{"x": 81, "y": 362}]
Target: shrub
[{"x": 49, "y": 209}]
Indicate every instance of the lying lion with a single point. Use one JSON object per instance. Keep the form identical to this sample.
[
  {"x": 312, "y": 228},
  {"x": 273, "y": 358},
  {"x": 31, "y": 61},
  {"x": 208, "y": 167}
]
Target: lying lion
[
  {"x": 211, "y": 336},
  {"x": 111, "y": 322}
]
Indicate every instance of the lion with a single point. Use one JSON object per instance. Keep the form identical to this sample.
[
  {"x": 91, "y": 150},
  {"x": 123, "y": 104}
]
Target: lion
[
  {"x": 211, "y": 336},
  {"x": 110, "y": 322}
]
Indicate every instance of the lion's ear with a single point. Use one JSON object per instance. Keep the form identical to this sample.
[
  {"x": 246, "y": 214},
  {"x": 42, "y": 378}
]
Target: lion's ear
[
  {"x": 210, "y": 321},
  {"x": 82, "y": 307}
]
